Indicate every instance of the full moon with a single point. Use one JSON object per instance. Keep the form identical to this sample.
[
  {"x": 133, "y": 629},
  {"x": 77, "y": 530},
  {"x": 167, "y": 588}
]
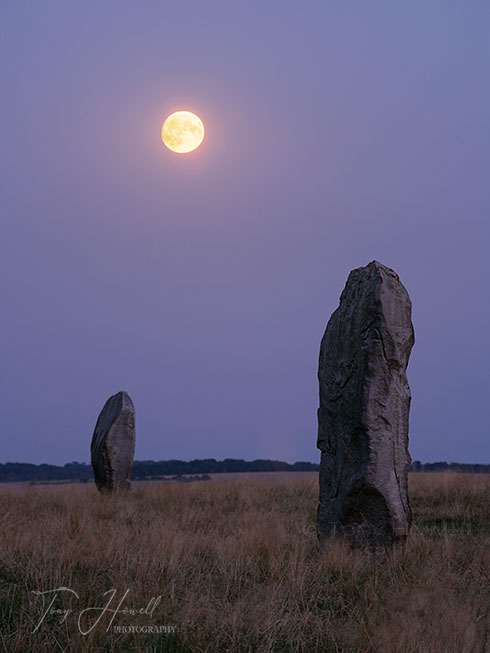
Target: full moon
[{"x": 182, "y": 132}]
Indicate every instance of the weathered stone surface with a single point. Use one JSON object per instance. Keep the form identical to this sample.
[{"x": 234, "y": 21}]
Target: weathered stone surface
[
  {"x": 363, "y": 414},
  {"x": 112, "y": 448}
]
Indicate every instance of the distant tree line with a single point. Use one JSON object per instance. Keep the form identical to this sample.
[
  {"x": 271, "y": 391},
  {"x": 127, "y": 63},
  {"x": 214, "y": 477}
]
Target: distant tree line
[
  {"x": 468, "y": 468},
  {"x": 148, "y": 469},
  {"x": 151, "y": 469}
]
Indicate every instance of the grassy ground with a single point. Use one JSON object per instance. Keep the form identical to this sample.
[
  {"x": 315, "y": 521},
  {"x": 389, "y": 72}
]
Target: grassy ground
[{"x": 238, "y": 568}]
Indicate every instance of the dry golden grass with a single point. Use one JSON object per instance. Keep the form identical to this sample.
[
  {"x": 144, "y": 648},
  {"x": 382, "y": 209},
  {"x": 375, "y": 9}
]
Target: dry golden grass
[{"x": 238, "y": 568}]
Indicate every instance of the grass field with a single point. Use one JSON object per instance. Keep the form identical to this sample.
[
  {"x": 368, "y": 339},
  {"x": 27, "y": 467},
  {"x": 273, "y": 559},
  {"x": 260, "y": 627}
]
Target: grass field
[{"x": 233, "y": 564}]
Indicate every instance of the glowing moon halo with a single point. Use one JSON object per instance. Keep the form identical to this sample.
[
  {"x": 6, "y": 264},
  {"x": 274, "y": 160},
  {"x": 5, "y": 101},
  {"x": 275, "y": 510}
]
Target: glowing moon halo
[{"x": 182, "y": 132}]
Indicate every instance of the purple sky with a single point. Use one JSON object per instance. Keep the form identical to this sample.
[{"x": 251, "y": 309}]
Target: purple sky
[{"x": 336, "y": 133}]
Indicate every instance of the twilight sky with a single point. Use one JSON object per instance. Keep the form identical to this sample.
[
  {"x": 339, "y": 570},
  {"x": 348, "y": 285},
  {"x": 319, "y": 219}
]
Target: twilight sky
[{"x": 336, "y": 133}]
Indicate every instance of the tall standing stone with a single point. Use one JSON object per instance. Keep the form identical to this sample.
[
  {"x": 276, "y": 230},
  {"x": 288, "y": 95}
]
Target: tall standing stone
[
  {"x": 363, "y": 414},
  {"x": 112, "y": 448}
]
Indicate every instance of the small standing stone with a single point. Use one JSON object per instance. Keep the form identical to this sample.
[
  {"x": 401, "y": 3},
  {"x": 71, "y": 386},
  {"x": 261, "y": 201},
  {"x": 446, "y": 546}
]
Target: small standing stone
[
  {"x": 363, "y": 414},
  {"x": 112, "y": 448}
]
